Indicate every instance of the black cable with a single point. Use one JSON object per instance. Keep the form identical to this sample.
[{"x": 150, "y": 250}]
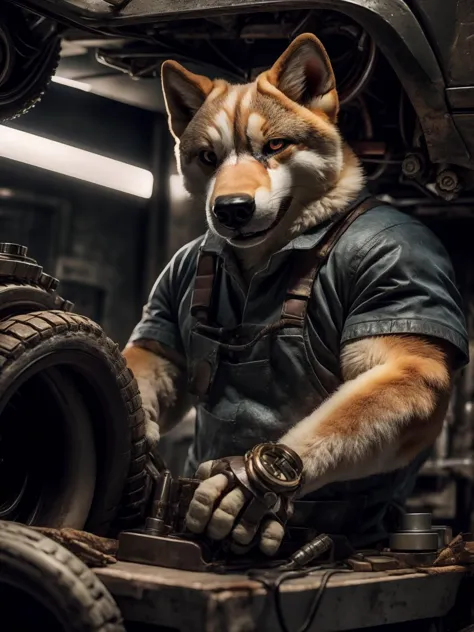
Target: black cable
[{"x": 273, "y": 585}]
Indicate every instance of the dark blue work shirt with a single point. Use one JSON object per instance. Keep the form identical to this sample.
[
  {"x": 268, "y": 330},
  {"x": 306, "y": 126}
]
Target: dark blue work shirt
[{"x": 388, "y": 274}]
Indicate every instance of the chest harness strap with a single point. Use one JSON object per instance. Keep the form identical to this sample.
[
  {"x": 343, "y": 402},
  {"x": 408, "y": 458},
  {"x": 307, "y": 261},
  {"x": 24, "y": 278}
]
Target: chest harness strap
[{"x": 305, "y": 267}]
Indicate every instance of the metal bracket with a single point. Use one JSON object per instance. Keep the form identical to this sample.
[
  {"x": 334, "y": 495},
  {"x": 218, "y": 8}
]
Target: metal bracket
[{"x": 161, "y": 551}]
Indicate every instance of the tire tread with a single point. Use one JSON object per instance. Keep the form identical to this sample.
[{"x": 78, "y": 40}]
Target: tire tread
[
  {"x": 25, "y": 331},
  {"x": 90, "y": 610}
]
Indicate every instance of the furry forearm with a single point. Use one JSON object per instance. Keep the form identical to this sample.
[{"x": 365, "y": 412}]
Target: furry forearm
[
  {"x": 161, "y": 378},
  {"x": 390, "y": 408}
]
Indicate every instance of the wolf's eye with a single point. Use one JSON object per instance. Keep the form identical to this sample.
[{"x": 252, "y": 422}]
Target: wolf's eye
[
  {"x": 208, "y": 157},
  {"x": 275, "y": 145}
]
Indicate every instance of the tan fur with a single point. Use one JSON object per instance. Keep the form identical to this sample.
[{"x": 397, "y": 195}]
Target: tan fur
[
  {"x": 302, "y": 218},
  {"x": 313, "y": 177},
  {"x": 320, "y": 105},
  {"x": 390, "y": 408},
  {"x": 245, "y": 177},
  {"x": 160, "y": 377}
]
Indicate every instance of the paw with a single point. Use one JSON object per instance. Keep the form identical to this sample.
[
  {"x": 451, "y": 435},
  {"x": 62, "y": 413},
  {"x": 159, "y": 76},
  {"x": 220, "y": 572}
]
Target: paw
[
  {"x": 203, "y": 503},
  {"x": 152, "y": 433},
  {"x": 271, "y": 536}
]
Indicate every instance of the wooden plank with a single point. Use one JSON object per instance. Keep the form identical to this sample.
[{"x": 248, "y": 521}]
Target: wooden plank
[{"x": 208, "y": 602}]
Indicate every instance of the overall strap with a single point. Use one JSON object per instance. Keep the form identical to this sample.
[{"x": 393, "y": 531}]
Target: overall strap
[
  {"x": 307, "y": 263},
  {"x": 202, "y": 292}
]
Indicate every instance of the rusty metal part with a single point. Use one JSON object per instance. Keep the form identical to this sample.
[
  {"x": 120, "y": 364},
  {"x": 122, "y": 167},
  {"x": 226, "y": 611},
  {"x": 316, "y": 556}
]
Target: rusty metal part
[
  {"x": 413, "y": 559},
  {"x": 373, "y": 563},
  {"x": 415, "y": 522},
  {"x": 415, "y": 534},
  {"x": 13, "y": 250},
  {"x": 412, "y": 165},
  {"x": 15, "y": 263},
  {"x": 170, "y": 500},
  {"x": 310, "y": 552},
  {"x": 447, "y": 180},
  {"x": 369, "y": 147},
  {"x": 414, "y": 541},
  {"x": 269, "y": 475},
  {"x": 157, "y": 523},
  {"x": 274, "y": 467},
  {"x": 445, "y": 535},
  {"x": 359, "y": 564},
  {"x": 448, "y": 184},
  {"x": 48, "y": 282},
  {"x": 161, "y": 551}
]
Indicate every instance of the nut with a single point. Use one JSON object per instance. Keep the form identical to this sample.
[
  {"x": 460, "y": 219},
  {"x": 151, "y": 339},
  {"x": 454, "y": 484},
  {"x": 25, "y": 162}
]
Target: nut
[
  {"x": 411, "y": 165},
  {"x": 447, "y": 180}
]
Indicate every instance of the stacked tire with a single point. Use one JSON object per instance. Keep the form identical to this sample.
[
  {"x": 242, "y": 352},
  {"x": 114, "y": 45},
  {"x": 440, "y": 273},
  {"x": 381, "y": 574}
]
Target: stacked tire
[
  {"x": 72, "y": 442},
  {"x": 45, "y": 587}
]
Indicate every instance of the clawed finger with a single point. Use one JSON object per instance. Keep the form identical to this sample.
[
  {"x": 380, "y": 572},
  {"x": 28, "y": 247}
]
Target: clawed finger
[
  {"x": 271, "y": 537},
  {"x": 202, "y": 505},
  {"x": 244, "y": 532},
  {"x": 224, "y": 516},
  {"x": 238, "y": 549},
  {"x": 204, "y": 470}
]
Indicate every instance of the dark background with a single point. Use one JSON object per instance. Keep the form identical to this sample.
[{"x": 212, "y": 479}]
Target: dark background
[{"x": 106, "y": 246}]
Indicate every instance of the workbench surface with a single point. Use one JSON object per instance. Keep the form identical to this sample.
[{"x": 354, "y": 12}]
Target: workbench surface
[{"x": 208, "y": 602}]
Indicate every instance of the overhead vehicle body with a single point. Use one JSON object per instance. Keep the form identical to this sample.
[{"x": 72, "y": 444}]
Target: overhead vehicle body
[{"x": 405, "y": 69}]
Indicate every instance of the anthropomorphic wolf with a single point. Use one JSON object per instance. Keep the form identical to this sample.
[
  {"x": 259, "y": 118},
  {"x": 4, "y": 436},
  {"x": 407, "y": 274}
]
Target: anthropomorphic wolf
[{"x": 308, "y": 315}]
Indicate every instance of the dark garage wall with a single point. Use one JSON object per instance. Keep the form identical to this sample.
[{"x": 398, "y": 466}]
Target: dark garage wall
[{"x": 104, "y": 230}]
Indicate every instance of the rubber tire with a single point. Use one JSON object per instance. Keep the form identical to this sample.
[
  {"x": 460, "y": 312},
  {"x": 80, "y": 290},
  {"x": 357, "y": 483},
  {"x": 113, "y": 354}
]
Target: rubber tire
[
  {"x": 13, "y": 18},
  {"x": 35, "y": 341},
  {"x": 58, "y": 579},
  {"x": 22, "y": 298},
  {"x": 36, "y": 92}
]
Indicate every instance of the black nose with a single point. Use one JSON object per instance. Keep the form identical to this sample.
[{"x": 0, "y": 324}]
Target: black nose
[{"x": 234, "y": 211}]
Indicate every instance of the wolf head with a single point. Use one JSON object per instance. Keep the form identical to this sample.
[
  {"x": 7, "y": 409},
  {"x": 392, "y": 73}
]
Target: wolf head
[{"x": 261, "y": 155}]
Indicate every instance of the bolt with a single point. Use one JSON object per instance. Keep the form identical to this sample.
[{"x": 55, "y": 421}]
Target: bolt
[
  {"x": 48, "y": 282},
  {"x": 13, "y": 249},
  {"x": 411, "y": 165},
  {"x": 447, "y": 181}
]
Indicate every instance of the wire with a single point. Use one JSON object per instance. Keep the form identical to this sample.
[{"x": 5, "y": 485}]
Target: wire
[
  {"x": 366, "y": 74},
  {"x": 226, "y": 59},
  {"x": 381, "y": 161},
  {"x": 273, "y": 586},
  {"x": 401, "y": 118},
  {"x": 300, "y": 25}
]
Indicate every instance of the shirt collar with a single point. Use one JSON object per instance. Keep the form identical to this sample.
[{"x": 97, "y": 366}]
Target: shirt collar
[{"x": 216, "y": 244}]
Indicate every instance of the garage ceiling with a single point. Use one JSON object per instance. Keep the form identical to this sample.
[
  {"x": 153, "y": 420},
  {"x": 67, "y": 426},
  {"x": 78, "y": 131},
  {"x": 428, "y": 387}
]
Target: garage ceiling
[{"x": 78, "y": 63}]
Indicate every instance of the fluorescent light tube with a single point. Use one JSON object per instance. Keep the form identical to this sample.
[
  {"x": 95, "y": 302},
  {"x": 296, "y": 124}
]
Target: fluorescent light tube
[
  {"x": 74, "y": 162},
  {"x": 71, "y": 83}
]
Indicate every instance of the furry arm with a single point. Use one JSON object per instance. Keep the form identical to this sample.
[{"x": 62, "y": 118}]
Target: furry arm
[
  {"x": 161, "y": 376},
  {"x": 389, "y": 409}
]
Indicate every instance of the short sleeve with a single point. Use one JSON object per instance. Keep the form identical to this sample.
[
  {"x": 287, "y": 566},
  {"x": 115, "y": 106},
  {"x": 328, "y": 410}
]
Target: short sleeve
[
  {"x": 404, "y": 284},
  {"x": 160, "y": 318}
]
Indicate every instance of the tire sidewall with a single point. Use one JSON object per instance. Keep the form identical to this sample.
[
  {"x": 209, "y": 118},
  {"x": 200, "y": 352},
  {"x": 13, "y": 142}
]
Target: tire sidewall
[
  {"x": 90, "y": 356},
  {"x": 51, "y": 574}
]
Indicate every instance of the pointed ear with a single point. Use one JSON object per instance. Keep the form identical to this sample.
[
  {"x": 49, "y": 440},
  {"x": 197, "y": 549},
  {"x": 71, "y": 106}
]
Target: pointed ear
[
  {"x": 184, "y": 94},
  {"x": 305, "y": 75}
]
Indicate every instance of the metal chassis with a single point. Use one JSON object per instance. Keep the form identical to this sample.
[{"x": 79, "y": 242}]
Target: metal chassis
[{"x": 392, "y": 25}]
